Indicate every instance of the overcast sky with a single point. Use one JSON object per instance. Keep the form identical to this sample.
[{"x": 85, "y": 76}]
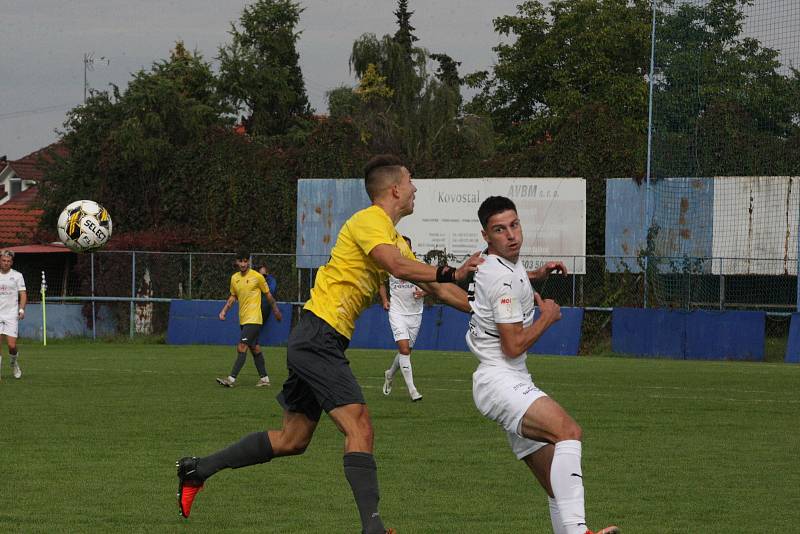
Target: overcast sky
[{"x": 43, "y": 42}]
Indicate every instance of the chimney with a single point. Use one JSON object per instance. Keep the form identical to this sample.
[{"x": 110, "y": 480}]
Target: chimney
[{"x": 14, "y": 187}]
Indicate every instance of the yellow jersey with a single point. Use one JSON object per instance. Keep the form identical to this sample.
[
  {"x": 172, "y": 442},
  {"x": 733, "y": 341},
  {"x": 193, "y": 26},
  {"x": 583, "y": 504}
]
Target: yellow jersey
[
  {"x": 347, "y": 284},
  {"x": 247, "y": 289}
]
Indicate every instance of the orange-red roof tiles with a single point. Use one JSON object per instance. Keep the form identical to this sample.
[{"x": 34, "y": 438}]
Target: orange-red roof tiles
[{"x": 19, "y": 219}]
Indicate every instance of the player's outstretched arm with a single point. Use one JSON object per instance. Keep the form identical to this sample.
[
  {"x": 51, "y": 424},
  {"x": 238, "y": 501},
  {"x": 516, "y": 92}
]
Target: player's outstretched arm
[
  {"x": 450, "y": 294},
  {"x": 390, "y": 259},
  {"x": 546, "y": 270},
  {"x": 516, "y": 339}
]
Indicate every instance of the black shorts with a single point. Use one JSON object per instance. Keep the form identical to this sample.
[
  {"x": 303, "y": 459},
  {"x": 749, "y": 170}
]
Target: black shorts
[
  {"x": 249, "y": 334},
  {"x": 320, "y": 377}
]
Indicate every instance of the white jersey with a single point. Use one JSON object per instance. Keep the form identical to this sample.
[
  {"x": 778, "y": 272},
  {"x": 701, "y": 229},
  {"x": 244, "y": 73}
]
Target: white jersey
[
  {"x": 11, "y": 283},
  {"x": 401, "y": 297},
  {"x": 499, "y": 293}
]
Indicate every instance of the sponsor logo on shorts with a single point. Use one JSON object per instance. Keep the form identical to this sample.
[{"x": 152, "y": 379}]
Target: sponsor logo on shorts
[{"x": 526, "y": 388}]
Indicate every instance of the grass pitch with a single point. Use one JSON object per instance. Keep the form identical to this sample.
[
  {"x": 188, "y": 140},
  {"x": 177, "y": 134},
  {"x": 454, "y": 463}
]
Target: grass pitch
[{"x": 90, "y": 435}]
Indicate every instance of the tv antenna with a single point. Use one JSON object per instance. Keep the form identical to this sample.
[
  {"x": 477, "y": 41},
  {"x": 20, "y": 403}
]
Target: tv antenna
[{"x": 88, "y": 65}]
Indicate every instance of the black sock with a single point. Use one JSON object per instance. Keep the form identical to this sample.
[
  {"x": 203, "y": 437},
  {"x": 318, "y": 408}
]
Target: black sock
[
  {"x": 261, "y": 366},
  {"x": 362, "y": 474},
  {"x": 252, "y": 449},
  {"x": 241, "y": 357}
]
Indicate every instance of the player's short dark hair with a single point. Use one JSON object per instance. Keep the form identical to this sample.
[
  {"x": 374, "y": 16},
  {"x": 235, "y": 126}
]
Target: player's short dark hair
[
  {"x": 408, "y": 240},
  {"x": 493, "y": 206},
  {"x": 243, "y": 255},
  {"x": 381, "y": 171}
]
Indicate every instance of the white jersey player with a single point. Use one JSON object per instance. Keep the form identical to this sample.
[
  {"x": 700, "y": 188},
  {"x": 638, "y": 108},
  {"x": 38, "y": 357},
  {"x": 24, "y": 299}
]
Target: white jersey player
[
  {"x": 501, "y": 330},
  {"x": 405, "y": 304},
  {"x": 13, "y": 299}
]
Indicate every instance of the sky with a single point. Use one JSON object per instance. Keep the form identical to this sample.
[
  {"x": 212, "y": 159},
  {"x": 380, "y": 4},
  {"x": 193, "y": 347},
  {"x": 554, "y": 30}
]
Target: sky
[{"x": 43, "y": 43}]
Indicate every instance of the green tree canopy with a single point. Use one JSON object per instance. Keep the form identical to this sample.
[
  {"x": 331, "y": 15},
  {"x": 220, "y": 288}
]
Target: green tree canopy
[
  {"x": 724, "y": 103},
  {"x": 122, "y": 144},
  {"x": 260, "y": 71},
  {"x": 561, "y": 58}
]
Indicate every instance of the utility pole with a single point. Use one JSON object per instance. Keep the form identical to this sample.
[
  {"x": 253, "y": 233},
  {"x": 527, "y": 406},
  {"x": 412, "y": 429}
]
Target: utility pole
[{"x": 88, "y": 64}]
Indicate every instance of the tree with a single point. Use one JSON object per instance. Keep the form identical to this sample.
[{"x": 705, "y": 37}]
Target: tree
[
  {"x": 568, "y": 94},
  {"x": 403, "y": 108},
  {"x": 122, "y": 145},
  {"x": 260, "y": 71},
  {"x": 404, "y": 36},
  {"x": 573, "y": 54},
  {"x": 722, "y": 104}
]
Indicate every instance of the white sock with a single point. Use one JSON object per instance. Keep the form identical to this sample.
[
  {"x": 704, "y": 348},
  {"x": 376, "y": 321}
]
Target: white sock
[
  {"x": 566, "y": 479},
  {"x": 231, "y": 378},
  {"x": 408, "y": 374},
  {"x": 395, "y": 364},
  {"x": 14, "y": 358},
  {"x": 555, "y": 517}
]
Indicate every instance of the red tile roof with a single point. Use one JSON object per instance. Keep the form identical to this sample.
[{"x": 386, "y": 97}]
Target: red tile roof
[
  {"x": 19, "y": 218},
  {"x": 30, "y": 167}
]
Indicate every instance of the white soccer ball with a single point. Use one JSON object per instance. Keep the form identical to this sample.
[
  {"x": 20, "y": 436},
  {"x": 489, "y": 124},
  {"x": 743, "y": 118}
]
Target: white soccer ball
[{"x": 84, "y": 225}]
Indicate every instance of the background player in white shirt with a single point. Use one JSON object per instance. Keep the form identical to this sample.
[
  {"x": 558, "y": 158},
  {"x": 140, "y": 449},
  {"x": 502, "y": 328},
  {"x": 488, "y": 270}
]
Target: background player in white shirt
[
  {"x": 13, "y": 299},
  {"x": 405, "y": 304},
  {"x": 501, "y": 330}
]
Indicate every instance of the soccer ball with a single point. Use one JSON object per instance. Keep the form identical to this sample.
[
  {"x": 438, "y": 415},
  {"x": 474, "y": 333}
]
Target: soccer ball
[{"x": 84, "y": 225}]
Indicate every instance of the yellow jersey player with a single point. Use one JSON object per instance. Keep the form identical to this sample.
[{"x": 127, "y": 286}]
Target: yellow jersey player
[
  {"x": 247, "y": 286},
  {"x": 367, "y": 249}
]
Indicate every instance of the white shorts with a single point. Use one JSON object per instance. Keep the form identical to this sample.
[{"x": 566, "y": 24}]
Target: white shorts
[
  {"x": 405, "y": 326},
  {"x": 9, "y": 326},
  {"x": 504, "y": 395}
]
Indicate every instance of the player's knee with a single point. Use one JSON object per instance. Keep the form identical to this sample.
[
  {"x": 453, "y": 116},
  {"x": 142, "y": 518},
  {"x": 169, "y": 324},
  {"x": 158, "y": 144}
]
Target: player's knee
[
  {"x": 572, "y": 431},
  {"x": 292, "y": 445}
]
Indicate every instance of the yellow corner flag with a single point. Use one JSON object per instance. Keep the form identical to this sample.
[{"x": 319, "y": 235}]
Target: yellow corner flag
[{"x": 44, "y": 312}]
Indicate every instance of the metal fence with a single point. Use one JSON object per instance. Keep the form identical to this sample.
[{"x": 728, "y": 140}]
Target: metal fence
[{"x": 135, "y": 288}]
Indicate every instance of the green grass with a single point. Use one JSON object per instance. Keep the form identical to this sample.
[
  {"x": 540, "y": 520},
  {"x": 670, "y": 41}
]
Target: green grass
[{"x": 89, "y": 437}]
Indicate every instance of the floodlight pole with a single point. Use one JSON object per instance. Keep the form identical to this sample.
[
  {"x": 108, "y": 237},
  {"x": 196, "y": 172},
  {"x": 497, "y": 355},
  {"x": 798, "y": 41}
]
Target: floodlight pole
[{"x": 648, "y": 216}]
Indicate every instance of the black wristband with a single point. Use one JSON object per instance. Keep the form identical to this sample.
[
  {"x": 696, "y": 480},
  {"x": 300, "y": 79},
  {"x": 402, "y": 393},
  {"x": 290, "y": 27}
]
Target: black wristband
[{"x": 446, "y": 274}]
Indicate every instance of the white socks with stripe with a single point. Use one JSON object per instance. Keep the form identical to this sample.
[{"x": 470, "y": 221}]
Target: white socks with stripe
[
  {"x": 566, "y": 479},
  {"x": 405, "y": 368}
]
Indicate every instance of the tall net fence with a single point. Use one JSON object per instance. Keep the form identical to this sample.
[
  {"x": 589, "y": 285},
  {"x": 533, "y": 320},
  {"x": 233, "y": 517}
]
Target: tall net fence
[{"x": 725, "y": 159}]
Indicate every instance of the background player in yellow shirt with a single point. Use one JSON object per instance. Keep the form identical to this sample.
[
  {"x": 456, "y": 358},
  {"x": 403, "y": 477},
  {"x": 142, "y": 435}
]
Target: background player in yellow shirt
[
  {"x": 247, "y": 286},
  {"x": 367, "y": 249}
]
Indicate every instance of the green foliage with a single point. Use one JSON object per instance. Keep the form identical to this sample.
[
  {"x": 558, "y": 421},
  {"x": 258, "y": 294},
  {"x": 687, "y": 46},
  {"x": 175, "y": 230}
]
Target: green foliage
[
  {"x": 406, "y": 110},
  {"x": 260, "y": 70},
  {"x": 562, "y": 58},
  {"x": 342, "y": 102},
  {"x": 123, "y": 145},
  {"x": 568, "y": 95},
  {"x": 722, "y": 104},
  {"x": 404, "y": 36}
]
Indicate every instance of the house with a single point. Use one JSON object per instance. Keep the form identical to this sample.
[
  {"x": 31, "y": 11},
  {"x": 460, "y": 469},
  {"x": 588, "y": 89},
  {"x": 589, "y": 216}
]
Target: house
[{"x": 19, "y": 214}]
